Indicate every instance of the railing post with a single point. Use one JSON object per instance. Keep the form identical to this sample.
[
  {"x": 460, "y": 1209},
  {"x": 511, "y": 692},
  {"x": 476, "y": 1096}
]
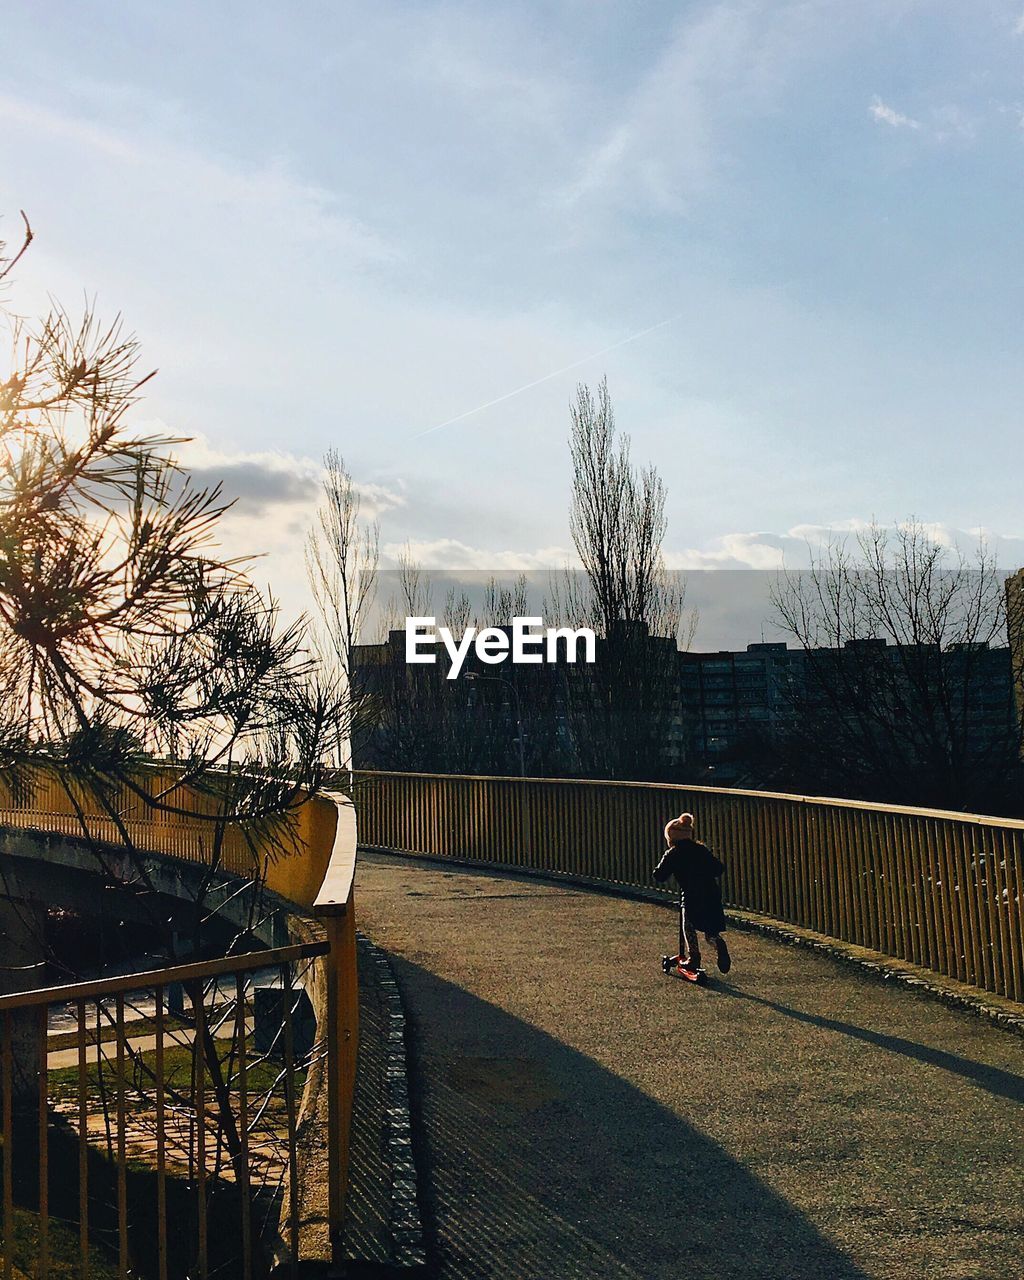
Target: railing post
[
  {"x": 342, "y": 1038},
  {"x": 334, "y": 907}
]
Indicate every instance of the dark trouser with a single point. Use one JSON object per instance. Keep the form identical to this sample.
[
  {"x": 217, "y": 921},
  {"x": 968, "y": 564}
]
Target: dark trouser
[{"x": 689, "y": 942}]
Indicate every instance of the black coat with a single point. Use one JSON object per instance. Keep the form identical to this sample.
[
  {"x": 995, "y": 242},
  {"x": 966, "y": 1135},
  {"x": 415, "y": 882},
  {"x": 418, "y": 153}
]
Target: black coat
[{"x": 697, "y": 872}]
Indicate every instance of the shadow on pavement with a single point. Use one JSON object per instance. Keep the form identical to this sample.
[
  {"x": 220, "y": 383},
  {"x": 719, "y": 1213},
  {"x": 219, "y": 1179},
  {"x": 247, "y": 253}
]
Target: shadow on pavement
[
  {"x": 1001, "y": 1084},
  {"x": 540, "y": 1163}
]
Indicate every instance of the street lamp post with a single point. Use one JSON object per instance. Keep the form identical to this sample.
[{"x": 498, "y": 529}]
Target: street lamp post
[{"x": 473, "y": 675}]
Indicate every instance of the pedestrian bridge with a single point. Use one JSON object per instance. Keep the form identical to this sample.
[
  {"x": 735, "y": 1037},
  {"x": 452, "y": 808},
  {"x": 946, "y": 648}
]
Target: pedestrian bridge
[
  {"x": 579, "y": 1114},
  {"x": 582, "y": 1115}
]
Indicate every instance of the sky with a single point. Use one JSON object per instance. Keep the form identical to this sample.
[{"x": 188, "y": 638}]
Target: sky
[{"x": 788, "y": 231}]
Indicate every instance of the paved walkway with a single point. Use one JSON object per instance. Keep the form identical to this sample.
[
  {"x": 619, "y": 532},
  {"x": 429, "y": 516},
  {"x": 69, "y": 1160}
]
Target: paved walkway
[{"x": 581, "y": 1115}]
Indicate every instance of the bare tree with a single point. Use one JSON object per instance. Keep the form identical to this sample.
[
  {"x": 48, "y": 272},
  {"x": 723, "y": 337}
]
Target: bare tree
[
  {"x": 624, "y": 713},
  {"x": 418, "y": 719},
  {"x": 412, "y": 599},
  {"x": 617, "y": 522},
  {"x": 899, "y": 692},
  {"x": 619, "y": 720},
  {"x": 342, "y": 553}
]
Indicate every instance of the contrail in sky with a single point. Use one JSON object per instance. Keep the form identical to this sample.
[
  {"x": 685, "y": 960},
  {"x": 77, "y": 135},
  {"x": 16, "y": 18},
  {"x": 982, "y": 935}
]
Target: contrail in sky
[{"x": 547, "y": 377}]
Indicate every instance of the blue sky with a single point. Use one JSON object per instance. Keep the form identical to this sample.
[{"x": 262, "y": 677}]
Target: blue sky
[{"x": 343, "y": 224}]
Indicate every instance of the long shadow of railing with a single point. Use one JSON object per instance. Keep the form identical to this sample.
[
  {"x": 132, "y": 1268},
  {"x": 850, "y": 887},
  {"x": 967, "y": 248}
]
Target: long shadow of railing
[
  {"x": 544, "y": 1163},
  {"x": 999, "y": 1083}
]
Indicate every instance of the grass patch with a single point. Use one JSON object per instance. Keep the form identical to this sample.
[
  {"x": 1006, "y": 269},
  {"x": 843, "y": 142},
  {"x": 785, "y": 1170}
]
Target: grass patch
[
  {"x": 134, "y": 1029},
  {"x": 63, "y": 1249},
  {"x": 262, "y": 1074}
]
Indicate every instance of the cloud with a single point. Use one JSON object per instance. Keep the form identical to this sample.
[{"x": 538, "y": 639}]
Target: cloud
[
  {"x": 887, "y": 115},
  {"x": 484, "y": 79},
  {"x": 764, "y": 551},
  {"x": 297, "y": 210},
  {"x": 732, "y": 551},
  {"x": 274, "y": 497},
  {"x": 947, "y": 123},
  {"x": 681, "y": 124},
  {"x": 37, "y": 119},
  {"x": 951, "y": 124},
  {"x": 673, "y": 131},
  {"x": 797, "y": 546},
  {"x": 661, "y": 148},
  {"x": 449, "y": 553},
  {"x": 257, "y": 483}
]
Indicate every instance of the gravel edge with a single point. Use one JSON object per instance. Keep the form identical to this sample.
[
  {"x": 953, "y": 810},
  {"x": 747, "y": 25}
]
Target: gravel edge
[{"x": 409, "y": 1253}]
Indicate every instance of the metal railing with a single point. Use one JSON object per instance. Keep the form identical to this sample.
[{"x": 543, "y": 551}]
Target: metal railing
[
  {"x": 197, "y": 1094},
  {"x": 940, "y": 889},
  {"x": 225, "y": 1128}
]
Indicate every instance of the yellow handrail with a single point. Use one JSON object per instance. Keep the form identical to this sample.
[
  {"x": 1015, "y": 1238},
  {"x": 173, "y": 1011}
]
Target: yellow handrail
[{"x": 937, "y": 888}]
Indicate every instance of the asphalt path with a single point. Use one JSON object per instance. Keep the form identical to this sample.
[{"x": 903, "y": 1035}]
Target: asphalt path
[{"x": 578, "y": 1114}]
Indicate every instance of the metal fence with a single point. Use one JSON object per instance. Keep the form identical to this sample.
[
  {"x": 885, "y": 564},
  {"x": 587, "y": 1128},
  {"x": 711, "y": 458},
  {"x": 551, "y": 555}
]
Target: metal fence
[
  {"x": 939, "y": 889},
  {"x": 186, "y": 1117},
  {"x": 162, "y": 1138}
]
